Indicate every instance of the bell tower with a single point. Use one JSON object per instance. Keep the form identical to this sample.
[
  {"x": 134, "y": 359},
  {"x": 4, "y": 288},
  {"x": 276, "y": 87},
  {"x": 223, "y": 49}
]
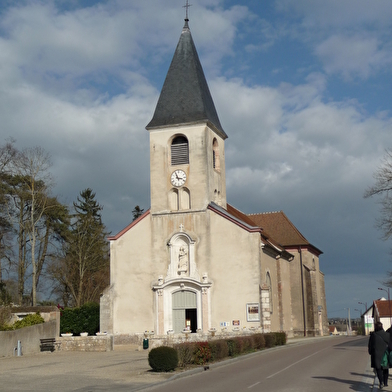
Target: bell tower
[{"x": 187, "y": 155}]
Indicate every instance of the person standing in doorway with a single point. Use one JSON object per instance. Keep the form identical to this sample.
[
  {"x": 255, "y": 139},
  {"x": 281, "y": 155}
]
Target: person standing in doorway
[{"x": 378, "y": 343}]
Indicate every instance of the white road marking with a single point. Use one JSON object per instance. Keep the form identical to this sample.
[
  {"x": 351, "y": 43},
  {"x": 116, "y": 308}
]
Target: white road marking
[
  {"x": 251, "y": 386},
  {"x": 288, "y": 367}
]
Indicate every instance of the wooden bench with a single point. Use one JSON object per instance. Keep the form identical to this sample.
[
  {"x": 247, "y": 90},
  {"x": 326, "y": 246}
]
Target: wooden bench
[{"x": 48, "y": 344}]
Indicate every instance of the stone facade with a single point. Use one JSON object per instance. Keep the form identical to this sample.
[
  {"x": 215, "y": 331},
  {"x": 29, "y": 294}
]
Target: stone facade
[{"x": 85, "y": 343}]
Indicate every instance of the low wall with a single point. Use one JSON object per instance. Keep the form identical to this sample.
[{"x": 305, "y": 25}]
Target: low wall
[
  {"x": 171, "y": 339},
  {"x": 29, "y": 337},
  {"x": 85, "y": 343}
]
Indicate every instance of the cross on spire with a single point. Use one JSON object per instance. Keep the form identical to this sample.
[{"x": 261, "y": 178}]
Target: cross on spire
[{"x": 186, "y": 6}]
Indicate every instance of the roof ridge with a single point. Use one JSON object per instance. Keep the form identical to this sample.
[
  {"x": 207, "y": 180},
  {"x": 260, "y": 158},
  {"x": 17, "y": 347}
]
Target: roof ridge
[{"x": 264, "y": 213}]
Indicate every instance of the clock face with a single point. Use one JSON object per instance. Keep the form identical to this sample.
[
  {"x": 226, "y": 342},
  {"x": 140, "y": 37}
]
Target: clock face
[{"x": 178, "y": 178}]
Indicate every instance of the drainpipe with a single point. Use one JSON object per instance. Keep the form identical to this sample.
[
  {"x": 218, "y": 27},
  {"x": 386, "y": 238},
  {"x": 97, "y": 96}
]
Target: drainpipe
[{"x": 302, "y": 287}]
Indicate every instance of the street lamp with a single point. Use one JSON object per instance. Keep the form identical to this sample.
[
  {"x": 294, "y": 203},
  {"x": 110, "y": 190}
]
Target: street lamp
[
  {"x": 349, "y": 321},
  {"x": 389, "y": 303}
]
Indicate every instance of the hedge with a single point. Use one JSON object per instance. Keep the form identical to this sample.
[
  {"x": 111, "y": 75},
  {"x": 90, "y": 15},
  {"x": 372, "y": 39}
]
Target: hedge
[
  {"x": 200, "y": 353},
  {"x": 83, "y": 319}
]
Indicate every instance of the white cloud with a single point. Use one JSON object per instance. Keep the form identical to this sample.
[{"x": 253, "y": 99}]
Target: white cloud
[
  {"x": 353, "y": 56},
  {"x": 81, "y": 84}
]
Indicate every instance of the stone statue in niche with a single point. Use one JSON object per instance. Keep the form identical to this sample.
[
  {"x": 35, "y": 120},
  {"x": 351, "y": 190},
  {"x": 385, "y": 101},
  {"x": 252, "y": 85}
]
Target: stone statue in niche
[{"x": 183, "y": 261}]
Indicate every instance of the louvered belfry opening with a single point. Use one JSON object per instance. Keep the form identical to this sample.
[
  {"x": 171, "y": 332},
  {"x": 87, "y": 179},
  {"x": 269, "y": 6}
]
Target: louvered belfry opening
[{"x": 179, "y": 151}]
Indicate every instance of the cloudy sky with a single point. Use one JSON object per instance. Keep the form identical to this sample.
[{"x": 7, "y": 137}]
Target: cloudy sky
[{"x": 302, "y": 88}]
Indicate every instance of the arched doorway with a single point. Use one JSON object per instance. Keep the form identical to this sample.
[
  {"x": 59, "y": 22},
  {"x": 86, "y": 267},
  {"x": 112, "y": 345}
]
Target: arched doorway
[{"x": 184, "y": 310}]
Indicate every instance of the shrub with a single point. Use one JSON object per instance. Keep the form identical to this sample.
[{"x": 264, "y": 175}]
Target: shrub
[
  {"x": 259, "y": 341},
  {"x": 185, "y": 353},
  {"x": 83, "y": 319},
  {"x": 28, "y": 321},
  {"x": 270, "y": 340},
  {"x": 163, "y": 359},
  {"x": 231, "y": 347},
  {"x": 219, "y": 349},
  {"x": 249, "y": 344},
  {"x": 280, "y": 338},
  {"x": 202, "y": 353}
]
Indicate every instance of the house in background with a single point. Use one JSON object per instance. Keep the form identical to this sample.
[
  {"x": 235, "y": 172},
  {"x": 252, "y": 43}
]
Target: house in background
[{"x": 382, "y": 311}]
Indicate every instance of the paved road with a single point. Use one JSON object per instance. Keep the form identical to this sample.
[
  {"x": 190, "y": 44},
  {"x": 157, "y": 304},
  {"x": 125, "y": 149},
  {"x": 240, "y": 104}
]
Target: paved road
[
  {"x": 333, "y": 364},
  {"x": 337, "y": 364}
]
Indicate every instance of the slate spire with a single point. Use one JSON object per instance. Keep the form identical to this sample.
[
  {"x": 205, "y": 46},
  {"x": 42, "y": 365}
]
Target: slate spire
[{"x": 185, "y": 97}]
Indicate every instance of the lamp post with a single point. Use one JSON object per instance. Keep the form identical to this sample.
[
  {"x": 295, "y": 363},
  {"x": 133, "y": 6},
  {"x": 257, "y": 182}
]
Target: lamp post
[
  {"x": 389, "y": 304},
  {"x": 364, "y": 315},
  {"x": 349, "y": 322}
]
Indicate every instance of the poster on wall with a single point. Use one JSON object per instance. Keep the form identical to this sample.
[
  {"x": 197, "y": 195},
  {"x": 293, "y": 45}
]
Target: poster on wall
[{"x": 252, "y": 312}]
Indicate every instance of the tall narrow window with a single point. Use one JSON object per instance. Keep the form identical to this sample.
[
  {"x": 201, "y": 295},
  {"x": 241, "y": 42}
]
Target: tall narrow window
[
  {"x": 268, "y": 281},
  {"x": 179, "y": 151},
  {"x": 215, "y": 155},
  {"x": 185, "y": 199},
  {"x": 173, "y": 197}
]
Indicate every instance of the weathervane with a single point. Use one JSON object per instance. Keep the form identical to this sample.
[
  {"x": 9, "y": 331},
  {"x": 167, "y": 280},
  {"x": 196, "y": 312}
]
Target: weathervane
[{"x": 186, "y": 6}]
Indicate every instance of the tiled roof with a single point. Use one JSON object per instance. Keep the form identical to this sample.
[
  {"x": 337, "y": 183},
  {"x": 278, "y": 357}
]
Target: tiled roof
[
  {"x": 185, "y": 97},
  {"x": 281, "y": 229},
  {"x": 383, "y": 308}
]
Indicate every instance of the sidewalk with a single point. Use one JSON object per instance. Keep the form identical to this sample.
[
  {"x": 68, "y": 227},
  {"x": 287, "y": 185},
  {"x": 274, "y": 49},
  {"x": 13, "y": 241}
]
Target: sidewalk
[{"x": 123, "y": 369}]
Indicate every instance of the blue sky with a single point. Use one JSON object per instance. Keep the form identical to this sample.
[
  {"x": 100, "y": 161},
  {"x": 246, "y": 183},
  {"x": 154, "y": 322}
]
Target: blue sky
[{"x": 302, "y": 88}]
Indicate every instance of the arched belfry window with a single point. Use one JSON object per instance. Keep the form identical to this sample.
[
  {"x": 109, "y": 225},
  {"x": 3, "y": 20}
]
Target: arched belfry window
[
  {"x": 215, "y": 155},
  {"x": 173, "y": 200},
  {"x": 179, "y": 151}
]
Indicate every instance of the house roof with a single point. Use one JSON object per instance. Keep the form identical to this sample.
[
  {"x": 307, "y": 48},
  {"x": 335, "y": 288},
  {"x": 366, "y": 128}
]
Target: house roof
[
  {"x": 383, "y": 308},
  {"x": 185, "y": 97},
  {"x": 282, "y": 230}
]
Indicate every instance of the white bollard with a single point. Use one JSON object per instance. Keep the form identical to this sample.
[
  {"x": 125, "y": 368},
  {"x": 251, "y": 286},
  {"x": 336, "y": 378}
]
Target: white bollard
[{"x": 19, "y": 348}]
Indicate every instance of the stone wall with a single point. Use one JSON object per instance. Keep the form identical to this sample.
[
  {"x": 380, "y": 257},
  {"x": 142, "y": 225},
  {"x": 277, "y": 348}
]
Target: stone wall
[
  {"x": 172, "y": 339},
  {"x": 85, "y": 343}
]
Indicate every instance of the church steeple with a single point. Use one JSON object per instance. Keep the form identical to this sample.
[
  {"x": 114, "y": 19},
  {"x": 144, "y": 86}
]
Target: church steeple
[{"x": 185, "y": 97}]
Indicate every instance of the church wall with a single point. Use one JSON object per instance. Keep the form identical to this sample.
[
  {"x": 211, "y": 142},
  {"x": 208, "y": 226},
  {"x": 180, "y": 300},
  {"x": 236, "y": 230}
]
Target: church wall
[
  {"x": 235, "y": 272},
  {"x": 314, "y": 290},
  {"x": 285, "y": 297},
  {"x": 269, "y": 265},
  {"x": 296, "y": 294},
  {"x": 323, "y": 301},
  {"x": 131, "y": 270}
]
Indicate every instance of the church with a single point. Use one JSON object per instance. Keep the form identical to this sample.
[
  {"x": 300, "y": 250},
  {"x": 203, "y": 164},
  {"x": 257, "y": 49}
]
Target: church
[{"x": 193, "y": 263}]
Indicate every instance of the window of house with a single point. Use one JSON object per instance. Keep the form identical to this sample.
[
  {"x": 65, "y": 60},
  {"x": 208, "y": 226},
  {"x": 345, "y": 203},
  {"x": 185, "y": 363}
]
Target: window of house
[{"x": 179, "y": 151}]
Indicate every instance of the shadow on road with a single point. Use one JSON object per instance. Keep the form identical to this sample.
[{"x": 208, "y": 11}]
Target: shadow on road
[
  {"x": 354, "y": 385},
  {"x": 355, "y": 342}
]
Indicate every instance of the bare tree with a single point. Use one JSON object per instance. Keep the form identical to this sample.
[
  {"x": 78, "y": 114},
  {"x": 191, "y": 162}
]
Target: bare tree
[
  {"x": 383, "y": 188},
  {"x": 7, "y": 156},
  {"x": 32, "y": 170}
]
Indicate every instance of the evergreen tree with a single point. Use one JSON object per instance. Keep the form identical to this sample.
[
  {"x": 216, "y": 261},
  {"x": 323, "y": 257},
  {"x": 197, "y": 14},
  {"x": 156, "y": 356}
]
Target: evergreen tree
[{"x": 83, "y": 271}]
